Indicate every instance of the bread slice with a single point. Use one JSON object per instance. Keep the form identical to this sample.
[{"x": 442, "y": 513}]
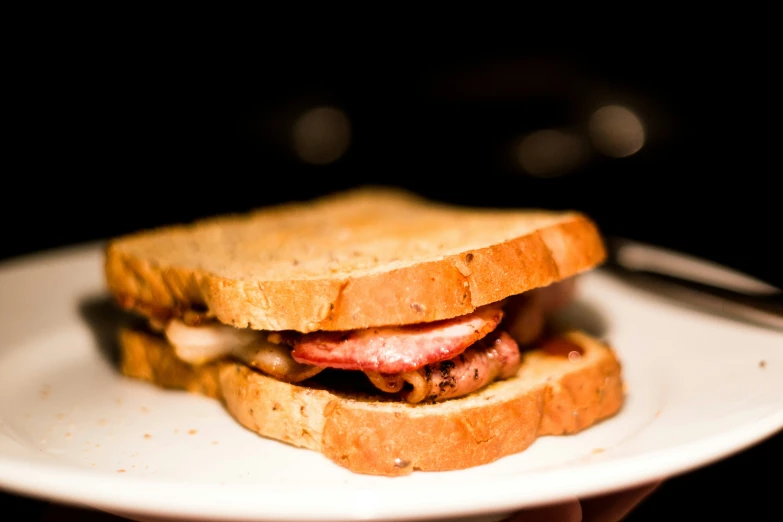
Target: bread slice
[
  {"x": 372, "y": 256},
  {"x": 550, "y": 395}
]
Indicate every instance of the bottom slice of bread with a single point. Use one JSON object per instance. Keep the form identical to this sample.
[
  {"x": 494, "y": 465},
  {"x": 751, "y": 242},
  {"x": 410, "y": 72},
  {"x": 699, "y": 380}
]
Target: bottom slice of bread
[{"x": 550, "y": 395}]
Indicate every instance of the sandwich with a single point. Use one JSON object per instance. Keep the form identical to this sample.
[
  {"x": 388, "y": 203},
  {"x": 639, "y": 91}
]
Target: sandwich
[{"x": 385, "y": 331}]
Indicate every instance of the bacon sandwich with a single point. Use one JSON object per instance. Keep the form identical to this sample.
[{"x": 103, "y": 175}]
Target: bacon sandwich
[{"x": 388, "y": 332}]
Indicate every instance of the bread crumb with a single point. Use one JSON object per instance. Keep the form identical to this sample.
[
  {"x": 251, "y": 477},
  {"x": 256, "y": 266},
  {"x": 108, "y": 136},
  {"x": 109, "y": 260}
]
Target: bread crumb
[
  {"x": 401, "y": 463},
  {"x": 120, "y": 471},
  {"x": 103, "y": 422},
  {"x": 147, "y": 436},
  {"x": 93, "y": 464},
  {"x": 215, "y": 443},
  {"x": 192, "y": 432},
  {"x": 45, "y": 391},
  {"x": 598, "y": 450},
  {"x": 762, "y": 364},
  {"x": 60, "y": 416},
  {"x": 144, "y": 409},
  {"x": 68, "y": 435}
]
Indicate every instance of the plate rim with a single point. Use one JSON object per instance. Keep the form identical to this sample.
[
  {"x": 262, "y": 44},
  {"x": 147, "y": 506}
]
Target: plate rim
[
  {"x": 508, "y": 501},
  {"x": 22, "y": 477}
]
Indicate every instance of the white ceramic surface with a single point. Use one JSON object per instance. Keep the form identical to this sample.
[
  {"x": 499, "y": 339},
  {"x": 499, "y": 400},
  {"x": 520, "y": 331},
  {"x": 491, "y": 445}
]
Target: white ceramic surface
[{"x": 71, "y": 429}]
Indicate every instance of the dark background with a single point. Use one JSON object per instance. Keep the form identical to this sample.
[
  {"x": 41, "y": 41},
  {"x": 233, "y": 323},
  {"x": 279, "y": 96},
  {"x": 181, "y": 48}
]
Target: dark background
[{"x": 113, "y": 140}]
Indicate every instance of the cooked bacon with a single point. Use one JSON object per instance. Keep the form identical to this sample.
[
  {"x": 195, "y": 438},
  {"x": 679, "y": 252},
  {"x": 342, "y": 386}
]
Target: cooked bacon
[
  {"x": 524, "y": 318},
  {"x": 526, "y": 314},
  {"x": 493, "y": 357},
  {"x": 388, "y": 382},
  {"x": 275, "y": 360},
  {"x": 396, "y": 349},
  {"x": 557, "y": 295}
]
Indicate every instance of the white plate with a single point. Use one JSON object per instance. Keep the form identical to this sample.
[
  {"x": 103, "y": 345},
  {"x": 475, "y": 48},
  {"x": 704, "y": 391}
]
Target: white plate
[{"x": 699, "y": 388}]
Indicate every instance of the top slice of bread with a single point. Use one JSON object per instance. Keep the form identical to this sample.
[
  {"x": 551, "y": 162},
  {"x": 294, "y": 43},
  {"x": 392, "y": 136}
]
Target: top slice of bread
[{"x": 367, "y": 257}]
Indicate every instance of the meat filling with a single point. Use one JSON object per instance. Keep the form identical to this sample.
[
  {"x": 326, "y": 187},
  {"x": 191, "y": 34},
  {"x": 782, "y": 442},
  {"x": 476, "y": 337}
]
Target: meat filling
[
  {"x": 208, "y": 342},
  {"x": 492, "y": 358},
  {"x": 397, "y": 349},
  {"x": 426, "y": 362}
]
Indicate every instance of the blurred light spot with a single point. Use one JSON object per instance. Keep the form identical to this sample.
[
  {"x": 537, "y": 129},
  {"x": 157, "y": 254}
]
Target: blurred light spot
[
  {"x": 321, "y": 135},
  {"x": 616, "y": 131},
  {"x": 550, "y": 153}
]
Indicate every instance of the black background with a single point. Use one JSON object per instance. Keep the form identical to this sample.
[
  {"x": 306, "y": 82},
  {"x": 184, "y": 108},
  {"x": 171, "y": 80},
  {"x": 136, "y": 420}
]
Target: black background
[{"x": 109, "y": 140}]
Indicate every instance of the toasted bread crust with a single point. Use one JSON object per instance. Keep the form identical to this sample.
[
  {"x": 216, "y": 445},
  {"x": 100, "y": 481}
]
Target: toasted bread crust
[
  {"x": 147, "y": 357},
  {"x": 550, "y": 395},
  {"x": 368, "y": 257}
]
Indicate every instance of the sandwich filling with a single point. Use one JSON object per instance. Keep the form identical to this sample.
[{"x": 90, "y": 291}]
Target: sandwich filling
[{"x": 426, "y": 362}]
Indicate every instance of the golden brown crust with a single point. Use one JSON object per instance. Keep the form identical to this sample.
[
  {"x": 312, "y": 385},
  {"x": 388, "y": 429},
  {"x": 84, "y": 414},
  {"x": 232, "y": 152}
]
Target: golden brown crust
[
  {"x": 363, "y": 258},
  {"x": 146, "y": 357},
  {"x": 550, "y": 395}
]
